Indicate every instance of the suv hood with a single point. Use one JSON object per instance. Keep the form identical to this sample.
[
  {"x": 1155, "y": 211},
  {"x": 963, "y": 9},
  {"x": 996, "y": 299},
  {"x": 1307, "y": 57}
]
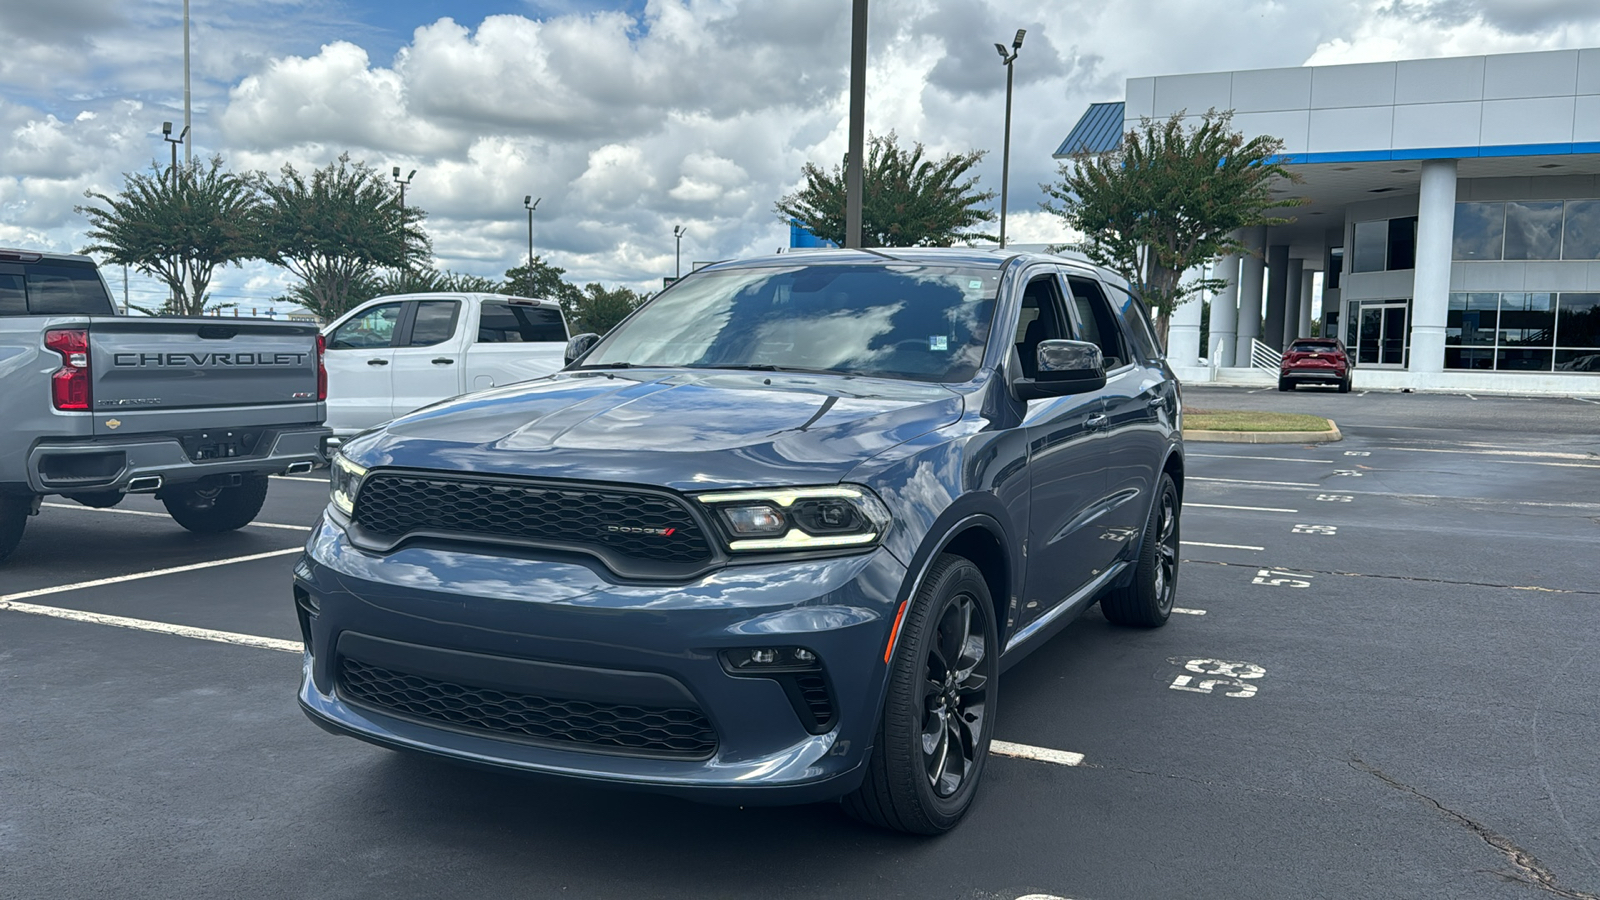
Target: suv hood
[{"x": 684, "y": 430}]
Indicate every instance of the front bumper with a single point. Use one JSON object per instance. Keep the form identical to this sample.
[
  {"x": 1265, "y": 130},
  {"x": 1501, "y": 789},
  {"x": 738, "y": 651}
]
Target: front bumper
[
  {"x": 556, "y": 628},
  {"x": 111, "y": 464}
]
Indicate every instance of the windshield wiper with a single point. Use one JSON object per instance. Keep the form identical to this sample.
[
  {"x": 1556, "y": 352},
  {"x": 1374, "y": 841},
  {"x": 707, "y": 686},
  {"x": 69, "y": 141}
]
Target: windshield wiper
[{"x": 613, "y": 365}]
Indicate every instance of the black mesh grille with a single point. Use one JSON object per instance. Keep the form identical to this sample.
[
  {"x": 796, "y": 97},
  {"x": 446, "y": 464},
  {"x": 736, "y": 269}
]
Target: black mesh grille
[
  {"x": 636, "y": 526},
  {"x": 641, "y": 729}
]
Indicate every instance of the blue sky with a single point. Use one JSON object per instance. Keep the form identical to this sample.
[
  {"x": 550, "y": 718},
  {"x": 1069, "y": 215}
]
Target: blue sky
[{"x": 629, "y": 118}]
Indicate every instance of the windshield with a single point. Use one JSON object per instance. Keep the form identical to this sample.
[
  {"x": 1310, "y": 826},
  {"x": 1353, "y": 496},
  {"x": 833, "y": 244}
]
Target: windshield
[{"x": 923, "y": 323}]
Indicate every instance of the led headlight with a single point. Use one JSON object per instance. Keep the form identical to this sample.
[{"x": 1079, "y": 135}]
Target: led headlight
[
  {"x": 344, "y": 481},
  {"x": 799, "y": 518}
]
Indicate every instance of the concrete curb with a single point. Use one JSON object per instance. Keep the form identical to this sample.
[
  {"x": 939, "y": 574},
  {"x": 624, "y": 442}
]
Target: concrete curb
[{"x": 1266, "y": 437}]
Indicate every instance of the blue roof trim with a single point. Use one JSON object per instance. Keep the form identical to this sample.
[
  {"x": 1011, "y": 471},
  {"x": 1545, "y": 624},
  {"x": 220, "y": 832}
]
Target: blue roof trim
[
  {"x": 1099, "y": 131},
  {"x": 1412, "y": 153}
]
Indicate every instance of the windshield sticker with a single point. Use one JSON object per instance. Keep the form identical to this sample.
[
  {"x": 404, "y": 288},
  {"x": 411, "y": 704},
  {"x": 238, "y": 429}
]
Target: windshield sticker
[{"x": 938, "y": 342}]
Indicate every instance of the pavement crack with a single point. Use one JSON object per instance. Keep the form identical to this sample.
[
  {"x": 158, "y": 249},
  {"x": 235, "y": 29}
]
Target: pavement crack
[
  {"x": 1529, "y": 870},
  {"x": 1414, "y": 578}
]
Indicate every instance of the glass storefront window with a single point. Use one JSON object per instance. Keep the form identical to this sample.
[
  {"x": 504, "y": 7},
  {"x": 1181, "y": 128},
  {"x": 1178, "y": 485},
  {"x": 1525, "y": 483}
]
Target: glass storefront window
[
  {"x": 1372, "y": 244},
  {"x": 1578, "y": 322},
  {"x": 1472, "y": 319},
  {"x": 1582, "y": 238},
  {"x": 1533, "y": 230},
  {"x": 1403, "y": 243},
  {"x": 1480, "y": 230},
  {"x": 1527, "y": 320},
  {"x": 1578, "y": 360}
]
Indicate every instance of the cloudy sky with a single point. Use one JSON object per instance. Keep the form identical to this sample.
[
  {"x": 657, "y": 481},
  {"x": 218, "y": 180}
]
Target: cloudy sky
[{"x": 629, "y": 117}]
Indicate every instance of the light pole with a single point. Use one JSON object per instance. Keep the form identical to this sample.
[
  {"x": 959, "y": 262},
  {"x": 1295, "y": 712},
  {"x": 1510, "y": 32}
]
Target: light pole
[
  {"x": 530, "y": 208},
  {"x": 403, "y": 182},
  {"x": 677, "y": 267},
  {"x": 853, "y": 189},
  {"x": 166, "y": 135},
  {"x": 1007, "y": 58}
]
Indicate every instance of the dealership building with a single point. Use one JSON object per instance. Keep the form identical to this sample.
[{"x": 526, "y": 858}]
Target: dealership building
[{"x": 1451, "y": 205}]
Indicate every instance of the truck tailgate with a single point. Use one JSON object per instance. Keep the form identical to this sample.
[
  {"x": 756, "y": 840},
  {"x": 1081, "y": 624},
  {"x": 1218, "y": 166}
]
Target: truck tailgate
[{"x": 157, "y": 374}]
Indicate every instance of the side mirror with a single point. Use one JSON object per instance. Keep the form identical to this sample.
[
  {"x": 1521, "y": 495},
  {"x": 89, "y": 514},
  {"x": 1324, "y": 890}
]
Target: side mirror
[
  {"x": 579, "y": 345},
  {"x": 1065, "y": 368}
]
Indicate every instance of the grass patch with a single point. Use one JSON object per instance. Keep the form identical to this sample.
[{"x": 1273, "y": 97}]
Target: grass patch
[{"x": 1245, "y": 420}]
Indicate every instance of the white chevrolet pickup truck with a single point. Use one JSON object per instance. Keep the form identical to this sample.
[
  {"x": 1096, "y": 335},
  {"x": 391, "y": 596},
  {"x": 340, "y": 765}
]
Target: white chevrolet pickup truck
[{"x": 395, "y": 354}]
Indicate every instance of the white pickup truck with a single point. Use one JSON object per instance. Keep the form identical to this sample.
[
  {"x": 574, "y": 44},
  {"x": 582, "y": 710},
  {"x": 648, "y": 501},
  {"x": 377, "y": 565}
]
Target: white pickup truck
[{"x": 395, "y": 354}]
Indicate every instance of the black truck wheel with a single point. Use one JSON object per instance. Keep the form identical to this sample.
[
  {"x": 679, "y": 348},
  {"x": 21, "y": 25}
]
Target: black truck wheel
[
  {"x": 13, "y": 519},
  {"x": 933, "y": 736},
  {"x": 1147, "y": 601},
  {"x": 213, "y": 510}
]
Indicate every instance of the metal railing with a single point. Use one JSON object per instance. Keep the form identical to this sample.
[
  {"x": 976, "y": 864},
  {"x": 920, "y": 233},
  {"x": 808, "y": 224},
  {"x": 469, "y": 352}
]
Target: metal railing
[{"x": 1264, "y": 357}]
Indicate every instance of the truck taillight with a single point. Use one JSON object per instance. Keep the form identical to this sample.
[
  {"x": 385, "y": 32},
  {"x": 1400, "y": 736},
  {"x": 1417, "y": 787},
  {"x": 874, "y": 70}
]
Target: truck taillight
[
  {"x": 69, "y": 386},
  {"x": 322, "y": 370}
]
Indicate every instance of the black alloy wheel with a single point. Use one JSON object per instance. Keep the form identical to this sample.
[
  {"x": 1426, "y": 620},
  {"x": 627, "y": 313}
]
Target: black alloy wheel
[
  {"x": 1147, "y": 601},
  {"x": 933, "y": 736}
]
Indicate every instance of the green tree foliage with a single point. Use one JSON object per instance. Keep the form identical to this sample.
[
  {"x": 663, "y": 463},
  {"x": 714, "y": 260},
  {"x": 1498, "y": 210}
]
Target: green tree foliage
[
  {"x": 907, "y": 200},
  {"x": 598, "y": 308},
  {"x": 335, "y": 230},
  {"x": 1169, "y": 199},
  {"x": 540, "y": 281},
  {"x": 177, "y": 226}
]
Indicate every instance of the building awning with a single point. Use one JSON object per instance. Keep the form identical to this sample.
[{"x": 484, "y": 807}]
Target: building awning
[{"x": 1099, "y": 131}]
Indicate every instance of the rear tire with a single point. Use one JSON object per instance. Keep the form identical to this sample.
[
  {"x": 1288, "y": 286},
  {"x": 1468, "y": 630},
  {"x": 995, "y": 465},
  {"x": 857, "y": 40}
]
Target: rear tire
[
  {"x": 1344, "y": 386},
  {"x": 13, "y": 520},
  {"x": 215, "y": 510},
  {"x": 938, "y": 716},
  {"x": 1147, "y": 601},
  {"x": 1285, "y": 384}
]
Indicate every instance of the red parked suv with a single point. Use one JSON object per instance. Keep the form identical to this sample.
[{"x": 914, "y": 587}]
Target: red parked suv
[{"x": 1316, "y": 360}]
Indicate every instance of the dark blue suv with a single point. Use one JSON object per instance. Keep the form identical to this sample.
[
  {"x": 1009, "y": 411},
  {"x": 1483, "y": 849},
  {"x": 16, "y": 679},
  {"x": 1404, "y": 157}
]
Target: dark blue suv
[{"x": 772, "y": 539}]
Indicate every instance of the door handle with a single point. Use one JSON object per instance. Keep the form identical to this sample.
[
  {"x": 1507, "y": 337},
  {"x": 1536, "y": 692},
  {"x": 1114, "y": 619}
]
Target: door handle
[
  {"x": 377, "y": 362},
  {"x": 443, "y": 361},
  {"x": 1097, "y": 420}
]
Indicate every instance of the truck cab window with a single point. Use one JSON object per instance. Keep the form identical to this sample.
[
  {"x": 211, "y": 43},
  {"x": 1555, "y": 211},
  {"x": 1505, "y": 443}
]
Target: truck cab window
[
  {"x": 434, "y": 322},
  {"x": 503, "y": 322},
  {"x": 373, "y": 328}
]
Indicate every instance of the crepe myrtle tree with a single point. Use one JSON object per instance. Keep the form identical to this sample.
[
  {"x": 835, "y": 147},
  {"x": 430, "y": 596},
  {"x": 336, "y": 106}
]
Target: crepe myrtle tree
[
  {"x": 598, "y": 308},
  {"x": 907, "y": 200},
  {"x": 336, "y": 230},
  {"x": 1168, "y": 199},
  {"x": 176, "y": 225},
  {"x": 540, "y": 281}
]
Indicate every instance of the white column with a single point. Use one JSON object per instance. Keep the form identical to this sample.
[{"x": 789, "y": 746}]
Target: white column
[
  {"x": 1291, "y": 301},
  {"x": 1308, "y": 286},
  {"x": 1225, "y": 314},
  {"x": 1252, "y": 277},
  {"x": 1183, "y": 333},
  {"x": 1430, "y": 291}
]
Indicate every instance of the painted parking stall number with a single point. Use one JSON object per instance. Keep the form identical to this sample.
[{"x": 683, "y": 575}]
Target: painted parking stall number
[
  {"x": 1347, "y": 473},
  {"x": 1316, "y": 529},
  {"x": 1274, "y": 578},
  {"x": 1357, "y": 453},
  {"x": 1231, "y": 679},
  {"x": 1335, "y": 498}
]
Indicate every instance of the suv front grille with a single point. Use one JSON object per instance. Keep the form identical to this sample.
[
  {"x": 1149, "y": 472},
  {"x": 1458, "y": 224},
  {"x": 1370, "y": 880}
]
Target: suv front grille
[
  {"x": 658, "y": 731},
  {"x": 633, "y": 525}
]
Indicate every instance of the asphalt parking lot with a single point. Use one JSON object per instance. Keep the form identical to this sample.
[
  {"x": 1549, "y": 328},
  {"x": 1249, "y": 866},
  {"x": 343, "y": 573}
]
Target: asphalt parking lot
[{"x": 1382, "y": 685}]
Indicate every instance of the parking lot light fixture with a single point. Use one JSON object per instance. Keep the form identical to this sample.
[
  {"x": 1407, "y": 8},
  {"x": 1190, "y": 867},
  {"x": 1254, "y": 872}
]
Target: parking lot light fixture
[
  {"x": 677, "y": 266},
  {"x": 1007, "y": 58},
  {"x": 530, "y": 207},
  {"x": 403, "y": 182},
  {"x": 166, "y": 135}
]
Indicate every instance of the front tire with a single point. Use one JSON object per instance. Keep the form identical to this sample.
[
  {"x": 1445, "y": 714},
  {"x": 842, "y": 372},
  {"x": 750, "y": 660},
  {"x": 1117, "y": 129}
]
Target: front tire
[
  {"x": 215, "y": 510},
  {"x": 933, "y": 736},
  {"x": 1147, "y": 602},
  {"x": 1344, "y": 386},
  {"x": 1285, "y": 384},
  {"x": 13, "y": 520}
]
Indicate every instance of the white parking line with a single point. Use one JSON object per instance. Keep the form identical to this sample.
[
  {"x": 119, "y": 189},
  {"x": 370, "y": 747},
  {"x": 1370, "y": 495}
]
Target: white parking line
[
  {"x": 204, "y": 634},
  {"x": 1585, "y": 400},
  {"x": 119, "y": 579},
  {"x": 1242, "y": 481},
  {"x": 1186, "y": 505},
  {"x": 1223, "y": 546},
  {"x": 1183, "y": 610},
  {"x": 1041, "y": 754},
  {"x": 1267, "y": 458},
  {"x": 293, "y": 478},
  {"x": 140, "y": 512},
  {"x": 1542, "y": 454}
]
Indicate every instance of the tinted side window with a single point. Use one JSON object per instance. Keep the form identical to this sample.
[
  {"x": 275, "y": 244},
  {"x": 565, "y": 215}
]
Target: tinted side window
[
  {"x": 434, "y": 323},
  {"x": 1136, "y": 318},
  {"x": 373, "y": 328},
  {"x": 13, "y": 296},
  {"x": 53, "y": 290},
  {"x": 502, "y": 322},
  {"x": 1097, "y": 322}
]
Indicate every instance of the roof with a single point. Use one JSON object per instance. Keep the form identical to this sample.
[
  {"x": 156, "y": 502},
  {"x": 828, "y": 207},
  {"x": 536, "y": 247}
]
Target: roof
[
  {"x": 1099, "y": 131},
  {"x": 952, "y": 256}
]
